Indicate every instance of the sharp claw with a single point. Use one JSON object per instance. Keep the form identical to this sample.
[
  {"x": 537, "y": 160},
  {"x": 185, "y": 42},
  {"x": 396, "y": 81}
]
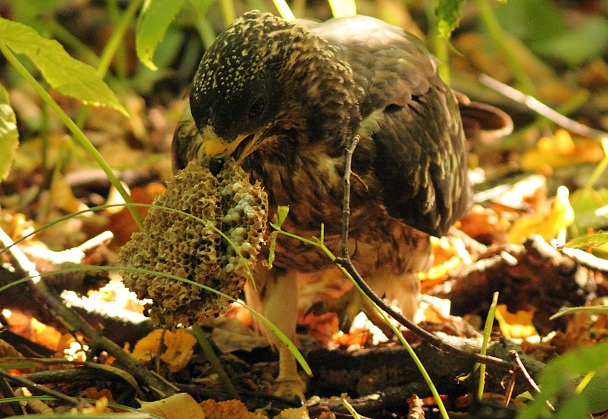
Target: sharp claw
[
  {"x": 345, "y": 307},
  {"x": 298, "y": 400},
  {"x": 345, "y": 321},
  {"x": 290, "y": 390},
  {"x": 317, "y": 309}
]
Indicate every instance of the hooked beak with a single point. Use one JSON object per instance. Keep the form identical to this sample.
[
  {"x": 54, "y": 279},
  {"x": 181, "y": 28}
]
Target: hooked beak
[{"x": 217, "y": 148}]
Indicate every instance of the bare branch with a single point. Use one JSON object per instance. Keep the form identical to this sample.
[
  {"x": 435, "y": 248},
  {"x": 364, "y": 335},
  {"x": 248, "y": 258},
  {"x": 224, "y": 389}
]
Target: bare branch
[
  {"x": 540, "y": 108},
  {"x": 346, "y": 262}
]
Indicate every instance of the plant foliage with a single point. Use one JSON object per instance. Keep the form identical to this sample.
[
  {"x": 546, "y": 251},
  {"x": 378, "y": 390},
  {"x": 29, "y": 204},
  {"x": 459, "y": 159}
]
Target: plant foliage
[
  {"x": 9, "y": 137},
  {"x": 64, "y": 73}
]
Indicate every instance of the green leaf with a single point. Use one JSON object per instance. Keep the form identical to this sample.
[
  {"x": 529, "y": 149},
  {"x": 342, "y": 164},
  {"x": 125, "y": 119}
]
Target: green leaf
[
  {"x": 279, "y": 219},
  {"x": 595, "y": 391},
  {"x": 9, "y": 136},
  {"x": 282, "y": 212},
  {"x": 600, "y": 252},
  {"x": 201, "y": 7},
  {"x": 592, "y": 240},
  {"x": 577, "y": 45},
  {"x": 343, "y": 8},
  {"x": 589, "y": 310},
  {"x": 154, "y": 19},
  {"x": 448, "y": 12},
  {"x": 32, "y": 12},
  {"x": 558, "y": 382},
  {"x": 585, "y": 203},
  {"x": 520, "y": 19},
  {"x": 64, "y": 73}
]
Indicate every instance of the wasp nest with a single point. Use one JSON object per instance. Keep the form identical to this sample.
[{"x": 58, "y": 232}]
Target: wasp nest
[{"x": 193, "y": 248}]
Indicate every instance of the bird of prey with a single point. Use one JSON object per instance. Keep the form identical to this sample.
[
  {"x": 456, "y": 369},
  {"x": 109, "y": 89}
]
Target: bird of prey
[{"x": 285, "y": 99}]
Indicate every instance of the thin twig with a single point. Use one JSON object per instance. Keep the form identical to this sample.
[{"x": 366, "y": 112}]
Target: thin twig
[
  {"x": 346, "y": 198},
  {"x": 524, "y": 372},
  {"x": 346, "y": 262},
  {"x": 510, "y": 388},
  {"x": 540, "y": 108},
  {"x": 36, "y": 388},
  {"x": 159, "y": 387},
  {"x": 7, "y": 392}
]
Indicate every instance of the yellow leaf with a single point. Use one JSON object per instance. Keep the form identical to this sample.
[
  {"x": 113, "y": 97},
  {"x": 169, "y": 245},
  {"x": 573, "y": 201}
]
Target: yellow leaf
[
  {"x": 547, "y": 225},
  {"x": 293, "y": 413},
  {"x": 178, "y": 406},
  {"x": 178, "y": 348},
  {"x": 518, "y": 325},
  {"x": 561, "y": 150}
]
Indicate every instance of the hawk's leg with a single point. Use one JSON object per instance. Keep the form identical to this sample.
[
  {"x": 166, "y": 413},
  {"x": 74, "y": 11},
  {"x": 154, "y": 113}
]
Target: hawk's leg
[
  {"x": 347, "y": 306},
  {"x": 276, "y": 297},
  {"x": 389, "y": 261},
  {"x": 402, "y": 288}
]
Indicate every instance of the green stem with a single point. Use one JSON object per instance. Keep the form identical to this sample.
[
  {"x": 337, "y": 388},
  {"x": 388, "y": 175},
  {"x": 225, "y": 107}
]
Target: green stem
[
  {"x": 487, "y": 331},
  {"x": 405, "y": 343},
  {"x": 76, "y": 132},
  {"x": 117, "y": 38},
  {"x": 119, "y": 56},
  {"x": 214, "y": 361},
  {"x": 44, "y": 133},
  {"x": 600, "y": 168},
  {"x": 228, "y": 11},
  {"x": 206, "y": 32},
  {"x": 109, "y": 51},
  {"x": 350, "y": 409},
  {"x": 441, "y": 52},
  {"x": 284, "y": 9},
  {"x": 500, "y": 41}
]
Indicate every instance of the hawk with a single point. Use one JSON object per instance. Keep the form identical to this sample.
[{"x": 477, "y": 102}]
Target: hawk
[{"x": 285, "y": 99}]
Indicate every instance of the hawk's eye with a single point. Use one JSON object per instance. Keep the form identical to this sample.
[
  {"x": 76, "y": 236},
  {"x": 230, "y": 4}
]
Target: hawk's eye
[{"x": 256, "y": 109}]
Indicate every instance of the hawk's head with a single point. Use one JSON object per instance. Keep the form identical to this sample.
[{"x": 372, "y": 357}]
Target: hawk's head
[{"x": 268, "y": 86}]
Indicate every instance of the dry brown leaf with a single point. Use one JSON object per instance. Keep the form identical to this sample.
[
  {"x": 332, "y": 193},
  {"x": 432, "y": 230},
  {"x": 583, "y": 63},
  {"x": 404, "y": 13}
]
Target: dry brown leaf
[
  {"x": 8, "y": 351},
  {"x": 449, "y": 253},
  {"x": 583, "y": 328},
  {"x": 434, "y": 310},
  {"x": 415, "y": 405},
  {"x": 33, "y": 405},
  {"x": 485, "y": 225},
  {"x": 231, "y": 335},
  {"x": 228, "y": 409},
  {"x": 122, "y": 224},
  {"x": 30, "y": 328},
  {"x": 93, "y": 393}
]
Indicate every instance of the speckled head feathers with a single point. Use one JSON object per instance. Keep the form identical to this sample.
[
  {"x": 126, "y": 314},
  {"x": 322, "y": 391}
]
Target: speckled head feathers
[
  {"x": 262, "y": 55},
  {"x": 242, "y": 60},
  {"x": 240, "y": 52}
]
